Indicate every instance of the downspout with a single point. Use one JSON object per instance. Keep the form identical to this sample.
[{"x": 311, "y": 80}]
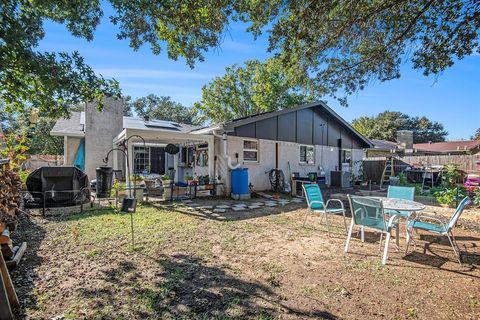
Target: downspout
[{"x": 225, "y": 155}]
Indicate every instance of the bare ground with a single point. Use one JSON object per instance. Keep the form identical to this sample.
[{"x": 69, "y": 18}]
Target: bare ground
[{"x": 190, "y": 264}]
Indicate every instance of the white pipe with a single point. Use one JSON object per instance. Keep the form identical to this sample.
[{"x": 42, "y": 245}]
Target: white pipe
[{"x": 225, "y": 155}]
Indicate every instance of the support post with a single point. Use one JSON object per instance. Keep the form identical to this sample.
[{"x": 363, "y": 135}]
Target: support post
[{"x": 211, "y": 157}]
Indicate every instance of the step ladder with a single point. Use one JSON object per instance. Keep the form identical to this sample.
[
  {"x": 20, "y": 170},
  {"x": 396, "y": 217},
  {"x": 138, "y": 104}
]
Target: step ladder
[{"x": 388, "y": 171}]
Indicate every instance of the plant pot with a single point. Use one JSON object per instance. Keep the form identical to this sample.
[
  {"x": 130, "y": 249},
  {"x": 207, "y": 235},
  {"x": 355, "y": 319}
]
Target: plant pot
[{"x": 167, "y": 193}]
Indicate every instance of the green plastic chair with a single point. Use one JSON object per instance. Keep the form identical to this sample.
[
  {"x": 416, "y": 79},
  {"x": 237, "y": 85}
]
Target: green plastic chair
[
  {"x": 437, "y": 226},
  {"x": 317, "y": 205},
  {"x": 368, "y": 213}
]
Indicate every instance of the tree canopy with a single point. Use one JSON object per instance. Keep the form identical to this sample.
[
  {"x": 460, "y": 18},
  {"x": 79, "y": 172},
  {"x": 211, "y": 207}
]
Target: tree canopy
[
  {"x": 161, "y": 107},
  {"x": 342, "y": 45},
  {"x": 37, "y": 139},
  {"x": 385, "y": 125},
  {"x": 476, "y": 136},
  {"x": 252, "y": 88}
]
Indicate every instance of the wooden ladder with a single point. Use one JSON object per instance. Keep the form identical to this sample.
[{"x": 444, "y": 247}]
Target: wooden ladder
[{"x": 388, "y": 171}]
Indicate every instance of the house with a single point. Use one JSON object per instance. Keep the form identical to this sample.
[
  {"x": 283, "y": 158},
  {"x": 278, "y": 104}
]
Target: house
[{"x": 303, "y": 139}]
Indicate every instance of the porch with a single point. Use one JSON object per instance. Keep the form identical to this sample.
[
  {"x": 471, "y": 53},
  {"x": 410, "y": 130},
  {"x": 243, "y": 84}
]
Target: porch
[{"x": 196, "y": 154}]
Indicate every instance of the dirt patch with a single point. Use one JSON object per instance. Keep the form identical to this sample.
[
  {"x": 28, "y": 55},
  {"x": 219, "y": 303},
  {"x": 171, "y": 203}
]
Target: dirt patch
[{"x": 259, "y": 264}]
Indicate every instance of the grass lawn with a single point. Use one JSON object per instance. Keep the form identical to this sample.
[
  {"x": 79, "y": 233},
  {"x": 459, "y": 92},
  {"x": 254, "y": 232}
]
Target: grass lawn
[{"x": 262, "y": 265}]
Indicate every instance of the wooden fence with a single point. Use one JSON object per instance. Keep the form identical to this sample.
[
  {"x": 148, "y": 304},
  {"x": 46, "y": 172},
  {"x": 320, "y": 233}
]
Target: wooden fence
[{"x": 373, "y": 167}]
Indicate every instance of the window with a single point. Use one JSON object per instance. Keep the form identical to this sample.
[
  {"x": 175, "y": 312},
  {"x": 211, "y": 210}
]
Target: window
[
  {"x": 346, "y": 156},
  {"x": 250, "y": 150},
  {"x": 141, "y": 159},
  {"x": 307, "y": 154}
]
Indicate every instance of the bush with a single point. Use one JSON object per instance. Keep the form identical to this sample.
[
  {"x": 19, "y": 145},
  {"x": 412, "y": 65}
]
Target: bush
[
  {"x": 476, "y": 197},
  {"x": 448, "y": 196}
]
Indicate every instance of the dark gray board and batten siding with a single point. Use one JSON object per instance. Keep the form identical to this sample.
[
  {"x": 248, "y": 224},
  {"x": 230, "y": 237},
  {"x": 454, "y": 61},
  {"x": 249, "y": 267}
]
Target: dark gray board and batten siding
[{"x": 308, "y": 126}]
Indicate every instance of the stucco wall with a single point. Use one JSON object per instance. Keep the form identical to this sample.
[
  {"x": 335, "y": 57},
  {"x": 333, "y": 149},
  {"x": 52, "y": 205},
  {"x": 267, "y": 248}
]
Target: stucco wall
[
  {"x": 100, "y": 129},
  {"x": 70, "y": 149},
  {"x": 325, "y": 157}
]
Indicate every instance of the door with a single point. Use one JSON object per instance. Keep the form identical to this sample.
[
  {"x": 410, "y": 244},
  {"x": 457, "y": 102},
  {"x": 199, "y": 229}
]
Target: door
[{"x": 157, "y": 160}]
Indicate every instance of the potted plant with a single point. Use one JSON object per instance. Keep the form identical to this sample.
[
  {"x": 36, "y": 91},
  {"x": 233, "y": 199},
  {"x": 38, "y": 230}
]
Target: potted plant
[
  {"x": 167, "y": 191},
  {"x": 189, "y": 179}
]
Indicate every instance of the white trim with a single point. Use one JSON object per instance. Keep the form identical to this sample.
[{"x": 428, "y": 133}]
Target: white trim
[
  {"x": 299, "y": 153},
  {"x": 67, "y": 134},
  {"x": 251, "y": 150}
]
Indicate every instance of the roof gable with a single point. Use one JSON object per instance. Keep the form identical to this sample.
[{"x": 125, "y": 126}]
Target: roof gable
[{"x": 283, "y": 115}]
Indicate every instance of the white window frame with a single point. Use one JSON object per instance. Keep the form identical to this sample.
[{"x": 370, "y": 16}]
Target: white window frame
[
  {"x": 146, "y": 163},
  {"x": 251, "y": 150},
  {"x": 299, "y": 154}
]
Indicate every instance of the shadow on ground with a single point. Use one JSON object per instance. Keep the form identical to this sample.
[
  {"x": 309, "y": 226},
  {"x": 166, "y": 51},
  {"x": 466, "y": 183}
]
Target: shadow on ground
[{"x": 186, "y": 287}]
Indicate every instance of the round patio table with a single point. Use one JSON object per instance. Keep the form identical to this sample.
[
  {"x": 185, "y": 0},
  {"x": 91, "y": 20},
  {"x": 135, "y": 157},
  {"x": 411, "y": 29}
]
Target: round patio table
[
  {"x": 395, "y": 204},
  {"x": 400, "y": 204}
]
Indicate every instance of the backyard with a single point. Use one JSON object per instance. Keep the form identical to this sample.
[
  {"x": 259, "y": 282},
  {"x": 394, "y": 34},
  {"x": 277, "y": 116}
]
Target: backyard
[{"x": 260, "y": 264}]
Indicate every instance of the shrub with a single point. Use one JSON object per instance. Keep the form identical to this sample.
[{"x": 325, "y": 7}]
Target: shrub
[
  {"x": 450, "y": 175},
  {"x": 476, "y": 197},
  {"x": 448, "y": 196}
]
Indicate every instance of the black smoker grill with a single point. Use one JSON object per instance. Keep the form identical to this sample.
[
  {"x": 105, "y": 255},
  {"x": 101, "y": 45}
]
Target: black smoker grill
[{"x": 57, "y": 187}]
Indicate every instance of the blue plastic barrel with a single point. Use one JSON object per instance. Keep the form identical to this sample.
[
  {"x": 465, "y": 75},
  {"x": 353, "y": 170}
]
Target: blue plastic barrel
[{"x": 240, "y": 181}]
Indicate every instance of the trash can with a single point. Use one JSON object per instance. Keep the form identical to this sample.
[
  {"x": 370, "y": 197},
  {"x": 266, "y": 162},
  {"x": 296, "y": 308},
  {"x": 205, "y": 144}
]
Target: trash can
[{"x": 104, "y": 181}]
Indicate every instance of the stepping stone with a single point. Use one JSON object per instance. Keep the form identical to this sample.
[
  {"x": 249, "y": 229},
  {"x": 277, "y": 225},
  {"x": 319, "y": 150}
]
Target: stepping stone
[
  {"x": 297, "y": 200},
  {"x": 271, "y": 204},
  {"x": 239, "y": 205},
  {"x": 254, "y": 207},
  {"x": 257, "y": 204},
  {"x": 239, "y": 208},
  {"x": 219, "y": 210},
  {"x": 194, "y": 205},
  {"x": 222, "y": 207},
  {"x": 205, "y": 207}
]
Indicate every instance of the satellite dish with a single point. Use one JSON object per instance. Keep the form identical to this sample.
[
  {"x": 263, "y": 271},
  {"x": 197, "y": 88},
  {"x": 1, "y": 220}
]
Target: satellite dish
[{"x": 172, "y": 149}]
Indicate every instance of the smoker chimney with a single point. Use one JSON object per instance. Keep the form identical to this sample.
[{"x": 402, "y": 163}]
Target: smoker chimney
[{"x": 405, "y": 139}]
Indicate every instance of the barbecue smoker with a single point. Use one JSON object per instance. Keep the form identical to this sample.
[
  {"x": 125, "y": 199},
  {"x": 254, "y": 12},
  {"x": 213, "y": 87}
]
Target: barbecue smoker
[{"x": 57, "y": 187}]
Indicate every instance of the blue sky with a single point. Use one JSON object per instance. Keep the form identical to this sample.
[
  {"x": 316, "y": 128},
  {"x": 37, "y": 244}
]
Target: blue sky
[{"x": 453, "y": 98}]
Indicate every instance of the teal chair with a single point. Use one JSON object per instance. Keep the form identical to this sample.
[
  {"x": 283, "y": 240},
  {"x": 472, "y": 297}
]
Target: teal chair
[
  {"x": 317, "y": 205},
  {"x": 368, "y": 213},
  {"x": 437, "y": 226},
  {"x": 397, "y": 192}
]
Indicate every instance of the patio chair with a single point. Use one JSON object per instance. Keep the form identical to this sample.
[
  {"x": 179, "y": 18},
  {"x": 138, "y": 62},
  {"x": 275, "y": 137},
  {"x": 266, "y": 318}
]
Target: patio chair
[
  {"x": 397, "y": 192},
  {"x": 437, "y": 226},
  {"x": 368, "y": 213},
  {"x": 317, "y": 205}
]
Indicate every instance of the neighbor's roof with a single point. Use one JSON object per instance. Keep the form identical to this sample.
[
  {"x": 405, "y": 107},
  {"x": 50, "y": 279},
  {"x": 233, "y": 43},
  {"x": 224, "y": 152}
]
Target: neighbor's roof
[
  {"x": 384, "y": 144},
  {"x": 448, "y": 146},
  {"x": 229, "y": 125},
  {"x": 72, "y": 126}
]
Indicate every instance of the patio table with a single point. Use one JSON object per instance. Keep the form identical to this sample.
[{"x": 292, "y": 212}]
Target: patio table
[{"x": 395, "y": 204}]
